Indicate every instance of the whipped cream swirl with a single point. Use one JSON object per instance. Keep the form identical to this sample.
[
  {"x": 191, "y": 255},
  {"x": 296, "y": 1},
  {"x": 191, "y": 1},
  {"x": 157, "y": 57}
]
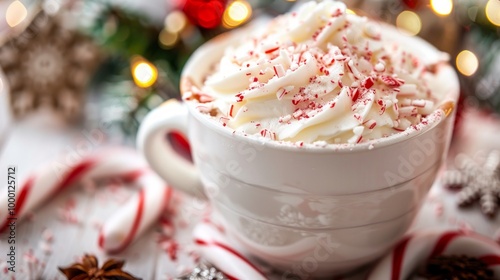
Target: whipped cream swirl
[{"x": 318, "y": 75}]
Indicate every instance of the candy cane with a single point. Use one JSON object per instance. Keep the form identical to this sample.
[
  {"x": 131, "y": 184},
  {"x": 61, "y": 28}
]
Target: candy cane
[
  {"x": 51, "y": 179},
  {"x": 216, "y": 250},
  {"x": 416, "y": 248},
  {"x": 136, "y": 215}
]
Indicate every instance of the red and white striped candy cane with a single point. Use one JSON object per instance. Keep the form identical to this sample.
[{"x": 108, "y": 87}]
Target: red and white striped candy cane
[
  {"x": 51, "y": 179},
  {"x": 416, "y": 248},
  {"x": 132, "y": 219},
  {"x": 215, "y": 249}
]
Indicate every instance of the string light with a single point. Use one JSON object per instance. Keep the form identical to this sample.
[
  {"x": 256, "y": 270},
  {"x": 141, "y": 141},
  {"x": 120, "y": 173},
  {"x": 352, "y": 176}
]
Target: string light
[
  {"x": 467, "y": 63},
  {"x": 410, "y": 22},
  {"x": 144, "y": 72},
  {"x": 236, "y": 13},
  {"x": 16, "y": 13},
  {"x": 442, "y": 7},
  {"x": 492, "y": 10},
  {"x": 175, "y": 22},
  {"x": 167, "y": 39}
]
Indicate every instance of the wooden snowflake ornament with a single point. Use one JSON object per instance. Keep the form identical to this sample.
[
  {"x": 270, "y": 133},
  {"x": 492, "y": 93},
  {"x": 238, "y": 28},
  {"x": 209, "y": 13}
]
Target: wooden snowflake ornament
[
  {"x": 47, "y": 64},
  {"x": 477, "y": 183}
]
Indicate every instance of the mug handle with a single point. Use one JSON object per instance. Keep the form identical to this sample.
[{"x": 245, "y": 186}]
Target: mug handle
[{"x": 181, "y": 174}]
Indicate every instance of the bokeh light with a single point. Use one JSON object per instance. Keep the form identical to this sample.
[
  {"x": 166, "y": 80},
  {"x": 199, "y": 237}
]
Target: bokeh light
[
  {"x": 204, "y": 13},
  {"x": 236, "y": 13},
  {"x": 16, "y": 13},
  {"x": 413, "y": 4},
  {"x": 472, "y": 13},
  {"x": 144, "y": 73},
  {"x": 175, "y": 22},
  {"x": 442, "y": 7},
  {"x": 409, "y": 22},
  {"x": 492, "y": 11},
  {"x": 167, "y": 39},
  {"x": 467, "y": 63},
  {"x": 51, "y": 7}
]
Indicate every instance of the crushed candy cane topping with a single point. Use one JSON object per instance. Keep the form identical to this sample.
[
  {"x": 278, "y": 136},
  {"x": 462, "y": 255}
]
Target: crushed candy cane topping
[{"x": 318, "y": 74}]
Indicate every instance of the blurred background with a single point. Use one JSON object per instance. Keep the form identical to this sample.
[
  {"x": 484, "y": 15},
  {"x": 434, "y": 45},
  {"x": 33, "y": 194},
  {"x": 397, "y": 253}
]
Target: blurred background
[{"x": 98, "y": 61}]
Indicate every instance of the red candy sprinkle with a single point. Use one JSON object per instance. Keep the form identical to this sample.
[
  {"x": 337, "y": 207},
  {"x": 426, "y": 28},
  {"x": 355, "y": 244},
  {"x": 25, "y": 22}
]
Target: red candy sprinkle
[
  {"x": 295, "y": 101},
  {"x": 354, "y": 93},
  {"x": 223, "y": 121},
  {"x": 239, "y": 97},
  {"x": 391, "y": 81},
  {"x": 268, "y": 51},
  {"x": 368, "y": 82},
  {"x": 268, "y": 133},
  {"x": 371, "y": 124}
]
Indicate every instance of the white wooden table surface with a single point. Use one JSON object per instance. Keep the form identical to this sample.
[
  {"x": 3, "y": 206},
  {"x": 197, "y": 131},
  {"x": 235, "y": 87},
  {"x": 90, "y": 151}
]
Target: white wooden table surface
[{"x": 38, "y": 139}]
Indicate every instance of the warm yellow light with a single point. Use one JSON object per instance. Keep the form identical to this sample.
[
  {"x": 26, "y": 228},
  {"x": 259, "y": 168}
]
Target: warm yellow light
[
  {"x": 16, "y": 13},
  {"x": 442, "y": 7},
  {"x": 168, "y": 39},
  {"x": 239, "y": 11},
  {"x": 175, "y": 22},
  {"x": 410, "y": 22},
  {"x": 349, "y": 11},
  {"x": 492, "y": 10},
  {"x": 144, "y": 73},
  {"x": 236, "y": 13},
  {"x": 467, "y": 63}
]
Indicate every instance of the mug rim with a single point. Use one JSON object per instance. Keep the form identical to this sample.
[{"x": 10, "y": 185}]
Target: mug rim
[{"x": 446, "y": 107}]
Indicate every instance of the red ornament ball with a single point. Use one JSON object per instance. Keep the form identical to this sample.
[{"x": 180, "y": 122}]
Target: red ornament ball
[
  {"x": 413, "y": 4},
  {"x": 204, "y": 13}
]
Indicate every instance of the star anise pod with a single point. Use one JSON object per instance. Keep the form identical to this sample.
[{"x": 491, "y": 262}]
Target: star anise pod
[
  {"x": 457, "y": 268},
  {"x": 89, "y": 269}
]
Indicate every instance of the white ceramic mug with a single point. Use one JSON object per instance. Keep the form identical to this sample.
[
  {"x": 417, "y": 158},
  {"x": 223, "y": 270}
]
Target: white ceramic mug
[{"x": 307, "y": 211}]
